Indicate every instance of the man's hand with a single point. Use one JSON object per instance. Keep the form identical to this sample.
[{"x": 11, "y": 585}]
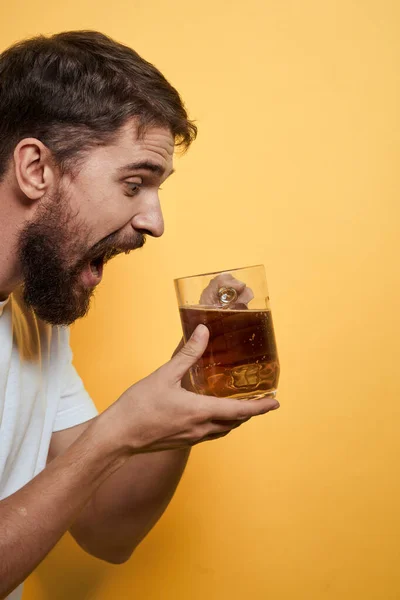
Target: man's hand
[
  {"x": 158, "y": 414},
  {"x": 153, "y": 415},
  {"x": 209, "y": 296}
]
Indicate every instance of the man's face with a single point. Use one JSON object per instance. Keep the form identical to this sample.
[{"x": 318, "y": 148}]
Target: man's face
[{"x": 108, "y": 207}]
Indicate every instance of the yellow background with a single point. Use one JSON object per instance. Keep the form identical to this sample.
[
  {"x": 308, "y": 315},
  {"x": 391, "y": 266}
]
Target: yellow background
[{"x": 296, "y": 166}]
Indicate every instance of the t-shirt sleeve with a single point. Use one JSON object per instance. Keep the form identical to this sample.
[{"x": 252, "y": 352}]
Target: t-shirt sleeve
[{"x": 75, "y": 405}]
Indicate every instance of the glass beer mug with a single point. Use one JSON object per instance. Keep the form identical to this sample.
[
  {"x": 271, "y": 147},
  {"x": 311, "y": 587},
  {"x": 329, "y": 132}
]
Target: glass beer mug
[{"x": 241, "y": 359}]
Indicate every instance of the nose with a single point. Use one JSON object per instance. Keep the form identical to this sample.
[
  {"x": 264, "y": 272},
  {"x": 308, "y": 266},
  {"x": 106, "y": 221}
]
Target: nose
[{"x": 149, "y": 219}]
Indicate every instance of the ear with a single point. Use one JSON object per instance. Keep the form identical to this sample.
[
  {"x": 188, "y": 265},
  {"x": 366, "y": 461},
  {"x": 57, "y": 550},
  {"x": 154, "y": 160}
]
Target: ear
[{"x": 34, "y": 170}]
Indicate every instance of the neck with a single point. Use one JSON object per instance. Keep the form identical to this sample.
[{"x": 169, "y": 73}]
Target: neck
[
  {"x": 9, "y": 279},
  {"x": 10, "y": 224}
]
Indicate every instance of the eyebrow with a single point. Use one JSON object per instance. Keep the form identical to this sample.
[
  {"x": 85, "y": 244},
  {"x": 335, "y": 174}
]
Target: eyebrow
[{"x": 145, "y": 165}]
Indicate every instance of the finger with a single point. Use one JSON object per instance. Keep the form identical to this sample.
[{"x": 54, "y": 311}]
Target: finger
[
  {"x": 189, "y": 354},
  {"x": 222, "y": 428},
  {"x": 215, "y": 432},
  {"x": 214, "y": 436},
  {"x": 210, "y": 293},
  {"x": 228, "y": 280},
  {"x": 227, "y": 409},
  {"x": 179, "y": 347},
  {"x": 246, "y": 296},
  {"x": 186, "y": 383}
]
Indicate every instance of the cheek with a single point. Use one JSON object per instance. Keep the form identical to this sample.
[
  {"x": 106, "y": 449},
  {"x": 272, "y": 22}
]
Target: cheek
[
  {"x": 103, "y": 208},
  {"x": 113, "y": 215}
]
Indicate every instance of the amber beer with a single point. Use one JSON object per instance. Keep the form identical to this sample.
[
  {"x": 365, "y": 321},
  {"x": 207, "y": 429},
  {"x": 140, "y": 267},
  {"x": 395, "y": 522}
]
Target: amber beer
[{"x": 241, "y": 359}]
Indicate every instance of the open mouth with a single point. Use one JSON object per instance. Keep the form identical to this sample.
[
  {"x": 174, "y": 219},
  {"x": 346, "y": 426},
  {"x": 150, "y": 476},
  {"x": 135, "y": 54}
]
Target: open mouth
[
  {"x": 96, "y": 266},
  {"x": 92, "y": 273}
]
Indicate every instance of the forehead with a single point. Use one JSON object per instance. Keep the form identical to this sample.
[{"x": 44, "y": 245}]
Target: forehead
[{"x": 156, "y": 144}]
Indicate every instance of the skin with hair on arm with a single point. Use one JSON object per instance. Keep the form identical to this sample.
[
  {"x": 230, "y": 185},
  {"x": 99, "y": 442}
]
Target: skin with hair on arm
[
  {"x": 129, "y": 503},
  {"x": 154, "y": 415},
  {"x": 79, "y": 185}
]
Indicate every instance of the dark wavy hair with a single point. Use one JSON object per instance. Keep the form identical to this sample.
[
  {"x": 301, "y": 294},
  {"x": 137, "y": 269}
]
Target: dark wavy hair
[{"x": 75, "y": 90}]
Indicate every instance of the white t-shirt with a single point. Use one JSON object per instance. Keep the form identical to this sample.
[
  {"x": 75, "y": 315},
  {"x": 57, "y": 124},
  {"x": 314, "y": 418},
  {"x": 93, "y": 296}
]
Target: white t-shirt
[{"x": 40, "y": 392}]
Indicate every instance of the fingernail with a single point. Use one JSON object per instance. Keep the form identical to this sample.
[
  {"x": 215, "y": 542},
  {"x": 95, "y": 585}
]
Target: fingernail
[{"x": 274, "y": 406}]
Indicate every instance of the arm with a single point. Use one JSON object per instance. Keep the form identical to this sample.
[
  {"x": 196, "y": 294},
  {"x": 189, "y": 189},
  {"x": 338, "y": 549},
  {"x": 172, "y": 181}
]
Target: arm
[
  {"x": 33, "y": 519},
  {"x": 154, "y": 415},
  {"x": 128, "y": 504}
]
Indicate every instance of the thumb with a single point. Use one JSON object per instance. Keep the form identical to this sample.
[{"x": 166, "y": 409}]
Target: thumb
[{"x": 189, "y": 354}]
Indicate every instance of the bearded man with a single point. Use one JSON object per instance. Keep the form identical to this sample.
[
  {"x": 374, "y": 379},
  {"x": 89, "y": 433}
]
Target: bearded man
[{"x": 88, "y": 131}]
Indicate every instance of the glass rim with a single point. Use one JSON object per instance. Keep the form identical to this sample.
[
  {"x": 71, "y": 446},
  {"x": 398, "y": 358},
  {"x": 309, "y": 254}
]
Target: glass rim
[{"x": 220, "y": 272}]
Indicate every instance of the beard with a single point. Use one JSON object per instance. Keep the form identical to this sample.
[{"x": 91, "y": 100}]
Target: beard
[{"x": 47, "y": 249}]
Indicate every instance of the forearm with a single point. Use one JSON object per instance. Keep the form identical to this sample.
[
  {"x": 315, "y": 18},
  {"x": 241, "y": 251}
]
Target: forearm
[
  {"x": 159, "y": 421},
  {"x": 127, "y": 505},
  {"x": 33, "y": 519}
]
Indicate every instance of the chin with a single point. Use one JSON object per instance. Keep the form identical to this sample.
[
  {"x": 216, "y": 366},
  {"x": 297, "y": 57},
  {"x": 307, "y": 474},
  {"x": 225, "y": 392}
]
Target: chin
[{"x": 60, "y": 311}]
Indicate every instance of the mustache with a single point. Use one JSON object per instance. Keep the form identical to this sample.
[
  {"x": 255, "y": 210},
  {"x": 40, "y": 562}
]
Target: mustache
[{"x": 111, "y": 246}]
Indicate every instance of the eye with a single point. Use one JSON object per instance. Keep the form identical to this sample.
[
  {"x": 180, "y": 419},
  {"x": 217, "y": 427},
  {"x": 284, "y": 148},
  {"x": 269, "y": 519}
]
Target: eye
[{"x": 132, "y": 187}]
